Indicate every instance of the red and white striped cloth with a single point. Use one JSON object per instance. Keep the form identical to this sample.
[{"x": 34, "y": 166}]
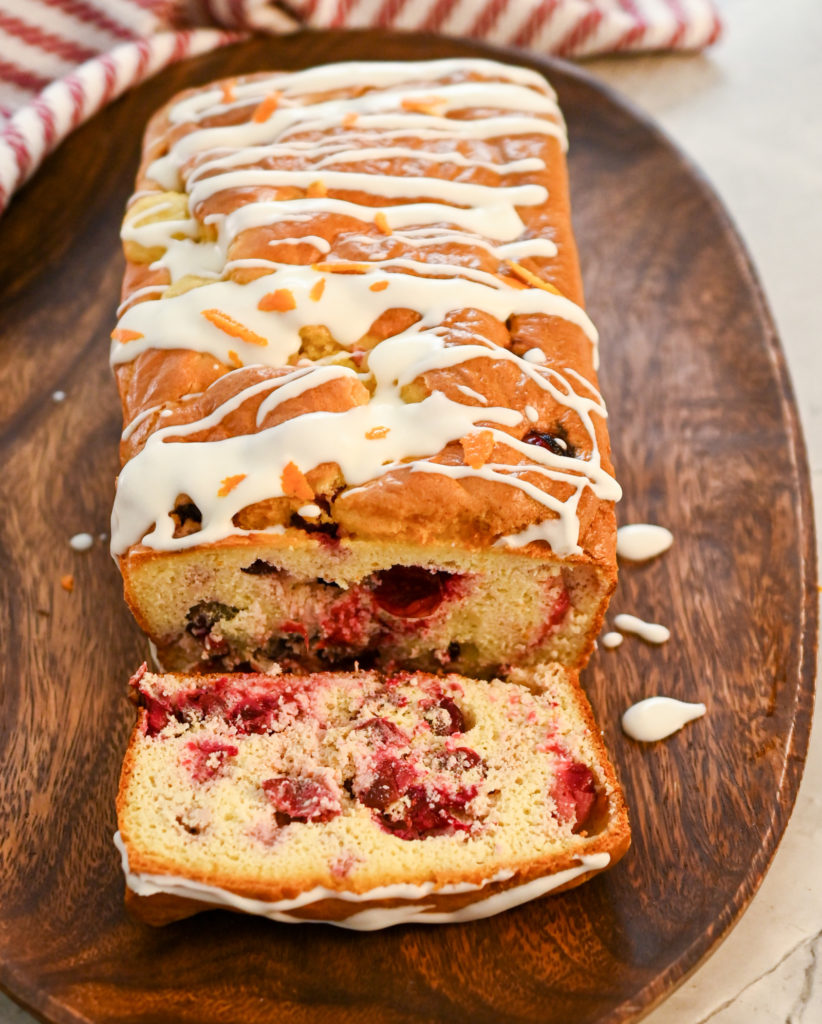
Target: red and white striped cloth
[{"x": 62, "y": 60}]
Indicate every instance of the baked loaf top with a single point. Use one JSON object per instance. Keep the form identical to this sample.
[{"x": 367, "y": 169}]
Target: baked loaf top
[
  {"x": 353, "y": 304},
  {"x": 326, "y": 795}
]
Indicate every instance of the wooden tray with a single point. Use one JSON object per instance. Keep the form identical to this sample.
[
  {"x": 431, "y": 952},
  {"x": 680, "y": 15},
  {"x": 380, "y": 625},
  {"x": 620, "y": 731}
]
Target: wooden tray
[{"x": 707, "y": 442}]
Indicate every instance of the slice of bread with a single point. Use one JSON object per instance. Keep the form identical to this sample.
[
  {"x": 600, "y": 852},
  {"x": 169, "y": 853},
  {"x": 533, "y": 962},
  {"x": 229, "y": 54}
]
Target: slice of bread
[{"x": 363, "y": 799}]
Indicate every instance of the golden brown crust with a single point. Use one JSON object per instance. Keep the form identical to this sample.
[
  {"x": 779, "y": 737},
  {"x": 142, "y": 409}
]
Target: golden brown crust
[{"x": 401, "y": 504}]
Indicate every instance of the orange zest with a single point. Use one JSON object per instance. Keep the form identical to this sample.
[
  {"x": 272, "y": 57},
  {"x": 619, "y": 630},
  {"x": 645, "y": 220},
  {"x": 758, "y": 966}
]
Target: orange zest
[
  {"x": 375, "y": 433},
  {"x": 227, "y": 89},
  {"x": 316, "y": 190},
  {"x": 295, "y": 484},
  {"x": 382, "y": 223},
  {"x": 229, "y": 483},
  {"x": 279, "y": 301},
  {"x": 317, "y": 290},
  {"x": 512, "y": 282},
  {"x": 228, "y": 325},
  {"x": 67, "y": 582},
  {"x": 422, "y": 104},
  {"x": 266, "y": 108},
  {"x": 477, "y": 447},
  {"x": 378, "y": 286},
  {"x": 350, "y": 120},
  {"x": 123, "y": 335},
  {"x": 531, "y": 278},
  {"x": 234, "y": 359},
  {"x": 341, "y": 268}
]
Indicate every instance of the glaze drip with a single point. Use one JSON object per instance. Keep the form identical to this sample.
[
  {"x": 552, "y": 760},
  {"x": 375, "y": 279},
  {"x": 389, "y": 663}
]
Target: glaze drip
[{"x": 409, "y": 909}]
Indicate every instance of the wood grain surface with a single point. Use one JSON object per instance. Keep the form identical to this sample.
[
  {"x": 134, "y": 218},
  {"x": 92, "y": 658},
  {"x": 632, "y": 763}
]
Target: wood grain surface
[{"x": 706, "y": 442}]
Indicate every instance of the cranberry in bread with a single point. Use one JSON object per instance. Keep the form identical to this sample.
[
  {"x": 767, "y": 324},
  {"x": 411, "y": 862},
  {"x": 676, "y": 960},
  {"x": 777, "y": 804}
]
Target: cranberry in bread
[
  {"x": 358, "y": 381},
  {"x": 363, "y": 799}
]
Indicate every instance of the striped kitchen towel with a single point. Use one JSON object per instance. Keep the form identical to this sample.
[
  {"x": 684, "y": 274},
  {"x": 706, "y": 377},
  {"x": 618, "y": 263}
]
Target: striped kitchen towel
[{"x": 62, "y": 60}]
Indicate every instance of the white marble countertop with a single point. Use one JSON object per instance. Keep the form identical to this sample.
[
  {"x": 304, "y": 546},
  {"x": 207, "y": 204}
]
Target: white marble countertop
[{"x": 748, "y": 113}]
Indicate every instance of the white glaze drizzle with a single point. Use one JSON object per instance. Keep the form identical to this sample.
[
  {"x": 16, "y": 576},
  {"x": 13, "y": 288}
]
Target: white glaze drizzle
[
  {"x": 329, "y": 77},
  {"x": 388, "y": 186},
  {"x": 316, "y": 240},
  {"x": 392, "y": 152},
  {"x": 349, "y": 304},
  {"x": 81, "y": 541},
  {"x": 150, "y": 291},
  {"x": 655, "y": 718},
  {"x": 653, "y": 632},
  {"x": 639, "y": 542},
  {"x": 470, "y": 393},
  {"x": 129, "y": 429},
  {"x": 497, "y": 220},
  {"x": 611, "y": 640},
  {"x": 433, "y": 235},
  {"x": 155, "y": 661},
  {"x": 347, "y": 301},
  {"x": 375, "y": 917},
  {"x": 309, "y": 510}
]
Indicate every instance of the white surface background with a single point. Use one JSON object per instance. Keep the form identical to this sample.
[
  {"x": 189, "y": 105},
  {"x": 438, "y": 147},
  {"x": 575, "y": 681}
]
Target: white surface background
[{"x": 749, "y": 113}]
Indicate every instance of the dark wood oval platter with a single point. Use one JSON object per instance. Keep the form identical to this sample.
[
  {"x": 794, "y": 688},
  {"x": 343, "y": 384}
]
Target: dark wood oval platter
[{"x": 707, "y": 442}]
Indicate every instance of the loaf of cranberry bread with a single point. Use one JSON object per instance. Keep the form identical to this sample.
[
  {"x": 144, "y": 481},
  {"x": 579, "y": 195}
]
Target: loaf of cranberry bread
[
  {"x": 359, "y": 388},
  {"x": 363, "y": 799}
]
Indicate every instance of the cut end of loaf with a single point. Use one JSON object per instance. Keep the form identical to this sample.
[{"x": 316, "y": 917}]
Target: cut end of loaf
[
  {"x": 303, "y": 604},
  {"x": 353, "y": 324}
]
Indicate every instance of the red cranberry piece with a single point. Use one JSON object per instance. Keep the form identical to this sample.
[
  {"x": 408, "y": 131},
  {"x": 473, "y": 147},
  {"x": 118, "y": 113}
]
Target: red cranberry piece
[
  {"x": 203, "y": 701},
  {"x": 574, "y": 793},
  {"x": 199, "y": 702},
  {"x": 292, "y": 628},
  {"x": 556, "y": 442},
  {"x": 346, "y": 623},
  {"x": 157, "y": 714},
  {"x": 409, "y": 591},
  {"x": 136, "y": 679},
  {"x": 561, "y": 606},
  {"x": 256, "y": 714},
  {"x": 425, "y": 814},
  {"x": 215, "y": 647},
  {"x": 455, "y": 721},
  {"x": 391, "y": 779},
  {"x": 381, "y": 730},
  {"x": 301, "y": 799},
  {"x": 207, "y": 758},
  {"x": 430, "y": 814}
]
